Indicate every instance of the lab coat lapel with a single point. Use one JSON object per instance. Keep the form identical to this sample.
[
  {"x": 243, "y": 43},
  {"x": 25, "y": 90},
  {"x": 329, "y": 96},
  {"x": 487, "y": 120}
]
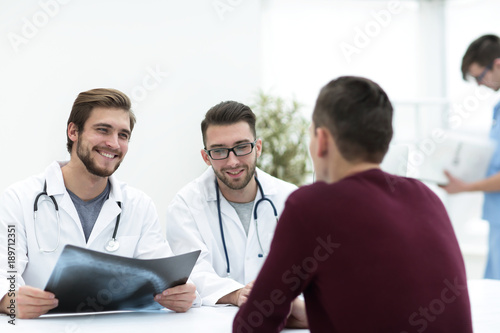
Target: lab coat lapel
[
  {"x": 264, "y": 209},
  {"x": 68, "y": 206},
  {"x": 56, "y": 188},
  {"x": 268, "y": 186},
  {"x": 228, "y": 212},
  {"x": 108, "y": 215}
]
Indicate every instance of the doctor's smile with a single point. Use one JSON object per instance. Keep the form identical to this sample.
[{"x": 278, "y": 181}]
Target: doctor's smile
[
  {"x": 107, "y": 155},
  {"x": 235, "y": 174}
]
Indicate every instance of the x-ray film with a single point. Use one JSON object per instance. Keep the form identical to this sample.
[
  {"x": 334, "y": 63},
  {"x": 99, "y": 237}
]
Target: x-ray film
[{"x": 90, "y": 281}]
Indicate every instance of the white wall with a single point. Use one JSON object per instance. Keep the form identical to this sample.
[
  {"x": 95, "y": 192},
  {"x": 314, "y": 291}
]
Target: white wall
[
  {"x": 209, "y": 56},
  {"x": 303, "y": 43}
]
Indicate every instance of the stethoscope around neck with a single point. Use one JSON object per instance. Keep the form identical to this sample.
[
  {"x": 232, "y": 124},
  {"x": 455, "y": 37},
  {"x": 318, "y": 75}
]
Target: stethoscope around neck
[
  {"x": 263, "y": 198},
  {"x": 112, "y": 244}
]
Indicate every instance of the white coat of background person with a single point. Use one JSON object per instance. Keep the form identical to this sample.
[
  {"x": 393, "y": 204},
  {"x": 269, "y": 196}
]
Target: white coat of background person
[
  {"x": 231, "y": 151},
  {"x": 98, "y": 133}
]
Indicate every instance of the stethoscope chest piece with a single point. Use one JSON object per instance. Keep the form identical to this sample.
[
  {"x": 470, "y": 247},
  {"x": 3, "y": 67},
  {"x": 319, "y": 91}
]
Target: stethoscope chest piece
[{"x": 112, "y": 245}]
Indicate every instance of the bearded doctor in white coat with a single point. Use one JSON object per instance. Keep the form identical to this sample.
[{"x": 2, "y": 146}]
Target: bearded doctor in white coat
[
  {"x": 231, "y": 151},
  {"x": 98, "y": 132}
]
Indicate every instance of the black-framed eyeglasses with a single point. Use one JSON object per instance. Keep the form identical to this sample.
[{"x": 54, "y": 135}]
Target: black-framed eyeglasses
[
  {"x": 480, "y": 77},
  {"x": 239, "y": 150}
]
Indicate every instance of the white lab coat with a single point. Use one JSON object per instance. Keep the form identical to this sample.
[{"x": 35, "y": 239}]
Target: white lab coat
[
  {"x": 192, "y": 224},
  {"x": 139, "y": 232}
]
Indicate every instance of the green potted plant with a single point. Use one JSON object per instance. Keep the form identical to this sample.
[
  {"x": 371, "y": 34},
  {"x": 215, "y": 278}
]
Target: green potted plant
[{"x": 284, "y": 133}]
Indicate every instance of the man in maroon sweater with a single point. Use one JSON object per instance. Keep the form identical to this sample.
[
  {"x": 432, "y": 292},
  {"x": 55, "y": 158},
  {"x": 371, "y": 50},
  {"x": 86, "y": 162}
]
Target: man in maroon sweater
[{"x": 370, "y": 251}]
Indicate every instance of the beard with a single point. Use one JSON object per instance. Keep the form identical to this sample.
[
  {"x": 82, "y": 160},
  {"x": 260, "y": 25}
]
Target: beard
[
  {"x": 84, "y": 156},
  {"x": 240, "y": 183}
]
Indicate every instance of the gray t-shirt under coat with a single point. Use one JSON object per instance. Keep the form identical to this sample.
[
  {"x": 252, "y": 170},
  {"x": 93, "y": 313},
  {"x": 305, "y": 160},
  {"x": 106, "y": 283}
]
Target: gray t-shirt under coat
[
  {"x": 244, "y": 211},
  {"x": 88, "y": 211}
]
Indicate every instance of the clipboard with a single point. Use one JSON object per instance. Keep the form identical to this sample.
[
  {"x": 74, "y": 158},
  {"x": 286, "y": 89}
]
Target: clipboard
[
  {"x": 89, "y": 281},
  {"x": 464, "y": 156}
]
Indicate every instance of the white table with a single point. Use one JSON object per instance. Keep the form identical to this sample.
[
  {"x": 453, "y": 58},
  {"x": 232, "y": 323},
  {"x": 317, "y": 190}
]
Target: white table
[
  {"x": 204, "y": 319},
  {"x": 485, "y": 303},
  {"x": 484, "y": 296}
]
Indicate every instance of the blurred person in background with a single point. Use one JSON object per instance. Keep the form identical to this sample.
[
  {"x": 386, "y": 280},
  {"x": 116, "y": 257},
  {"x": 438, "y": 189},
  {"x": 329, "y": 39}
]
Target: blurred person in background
[{"x": 481, "y": 62}]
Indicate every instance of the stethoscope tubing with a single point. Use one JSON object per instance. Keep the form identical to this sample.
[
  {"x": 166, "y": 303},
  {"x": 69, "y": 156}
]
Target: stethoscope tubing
[
  {"x": 58, "y": 218},
  {"x": 222, "y": 228},
  {"x": 263, "y": 198},
  {"x": 111, "y": 246}
]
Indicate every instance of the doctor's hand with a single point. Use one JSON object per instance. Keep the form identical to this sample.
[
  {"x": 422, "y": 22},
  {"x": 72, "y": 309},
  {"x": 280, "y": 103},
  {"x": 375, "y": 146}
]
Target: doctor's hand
[
  {"x": 178, "y": 299},
  {"x": 242, "y": 294},
  {"x": 454, "y": 185},
  {"x": 297, "y": 318},
  {"x": 237, "y": 297},
  {"x": 33, "y": 302}
]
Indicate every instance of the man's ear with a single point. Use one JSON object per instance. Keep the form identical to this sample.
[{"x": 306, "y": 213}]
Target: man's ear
[
  {"x": 72, "y": 132},
  {"x": 205, "y": 157},
  {"x": 496, "y": 63},
  {"x": 323, "y": 142},
  {"x": 258, "y": 147}
]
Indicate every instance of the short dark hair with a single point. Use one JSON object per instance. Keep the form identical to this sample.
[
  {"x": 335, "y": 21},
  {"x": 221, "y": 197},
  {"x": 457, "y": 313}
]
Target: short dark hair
[
  {"x": 228, "y": 113},
  {"x": 482, "y": 51},
  {"x": 87, "y": 100},
  {"x": 358, "y": 114}
]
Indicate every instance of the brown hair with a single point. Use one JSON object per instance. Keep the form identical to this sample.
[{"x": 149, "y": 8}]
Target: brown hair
[
  {"x": 358, "y": 114},
  {"x": 228, "y": 113},
  {"x": 482, "y": 51},
  {"x": 87, "y": 100}
]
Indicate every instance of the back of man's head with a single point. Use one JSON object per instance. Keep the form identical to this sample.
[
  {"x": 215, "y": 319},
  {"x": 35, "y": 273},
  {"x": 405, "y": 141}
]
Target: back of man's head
[
  {"x": 101, "y": 97},
  {"x": 228, "y": 113},
  {"x": 482, "y": 51},
  {"x": 358, "y": 114}
]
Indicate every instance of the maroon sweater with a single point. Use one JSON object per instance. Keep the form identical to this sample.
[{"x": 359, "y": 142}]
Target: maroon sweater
[{"x": 371, "y": 253}]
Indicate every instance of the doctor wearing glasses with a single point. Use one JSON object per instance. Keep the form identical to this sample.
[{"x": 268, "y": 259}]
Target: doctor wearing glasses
[
  {"x": 230, "y": 212},
  {"x": 79, "y": 202}
]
